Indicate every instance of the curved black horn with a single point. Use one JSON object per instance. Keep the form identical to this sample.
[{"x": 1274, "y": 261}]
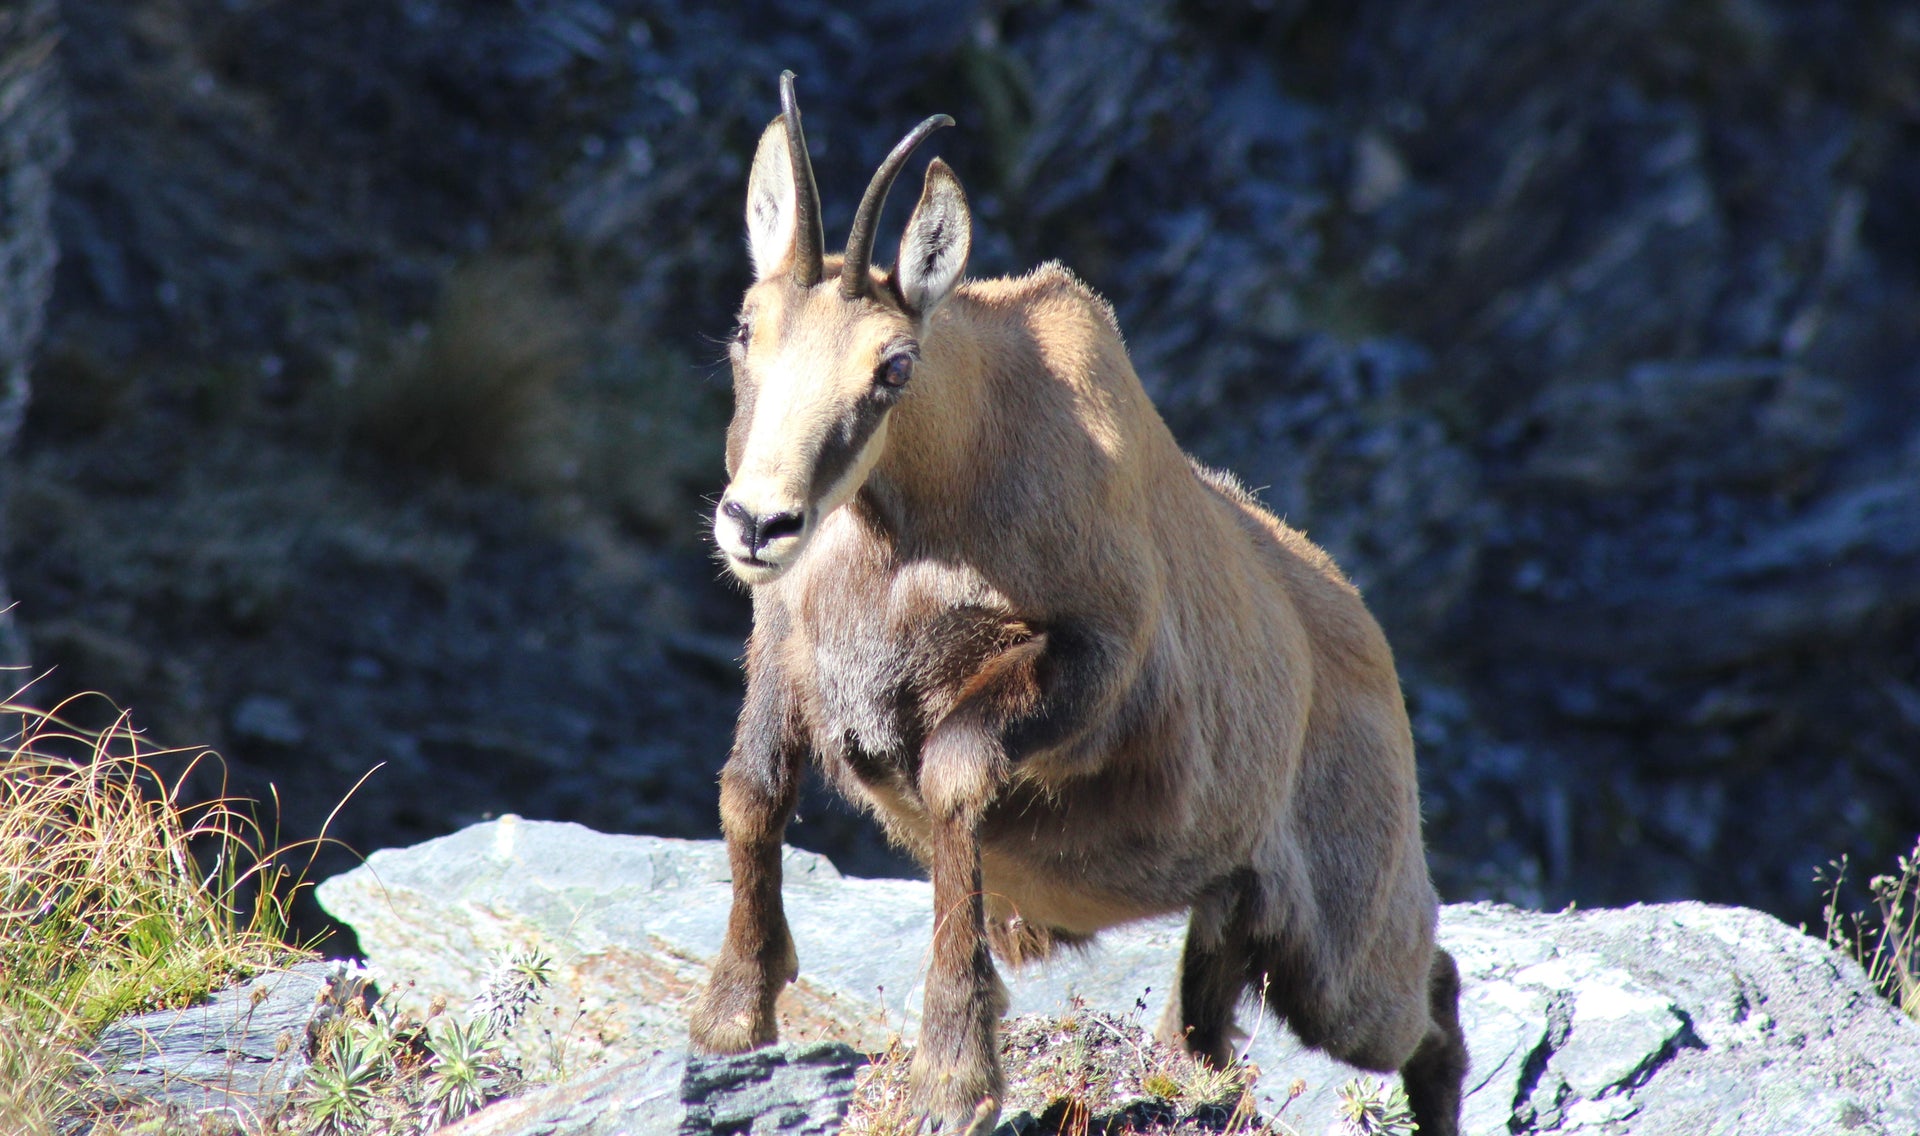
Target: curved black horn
[
  {"x": 854, "y": 280},
  {"x": 809, "y": 238}
]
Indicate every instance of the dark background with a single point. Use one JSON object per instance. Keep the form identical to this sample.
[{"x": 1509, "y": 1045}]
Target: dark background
[{"x": 380, "y": 386}]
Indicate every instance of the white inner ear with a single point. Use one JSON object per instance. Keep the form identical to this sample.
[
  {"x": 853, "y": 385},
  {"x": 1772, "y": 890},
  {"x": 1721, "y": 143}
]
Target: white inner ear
[
  {"x": 933, "y": 253},
  {"x": 770, "y": 202}
]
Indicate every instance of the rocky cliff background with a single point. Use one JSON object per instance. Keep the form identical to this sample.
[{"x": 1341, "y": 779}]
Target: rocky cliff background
[
  {"x": 33, "y": 144},
  {"x": 380, "y": 384}
]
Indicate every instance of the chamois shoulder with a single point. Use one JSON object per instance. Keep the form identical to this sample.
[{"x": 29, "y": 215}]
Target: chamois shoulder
[{"x": 1052, "y": 286}]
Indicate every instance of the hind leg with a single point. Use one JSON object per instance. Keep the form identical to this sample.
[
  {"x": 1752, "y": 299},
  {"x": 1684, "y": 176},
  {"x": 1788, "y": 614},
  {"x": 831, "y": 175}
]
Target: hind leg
[
  {"x": 1213, "y": 974},
  {"x": 1382, "y": 1023},
  {"x": 1433, "y": 1075}
]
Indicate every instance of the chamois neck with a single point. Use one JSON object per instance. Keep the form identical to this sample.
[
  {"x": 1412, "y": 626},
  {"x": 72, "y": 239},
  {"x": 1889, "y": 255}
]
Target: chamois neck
[
  {"x": 932, "y": 460},
  {"x": 1025, "y": 426}
]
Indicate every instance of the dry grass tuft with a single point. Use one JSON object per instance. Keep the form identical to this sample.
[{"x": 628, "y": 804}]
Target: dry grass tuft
[
  {"x": 1885, "y": 940},
  {"x": 37, "y": 1086},
  {"x": 880, "y": 1103},
  {"x": 115, "y": 898},
  {"x": 1081, "y": 1074}
]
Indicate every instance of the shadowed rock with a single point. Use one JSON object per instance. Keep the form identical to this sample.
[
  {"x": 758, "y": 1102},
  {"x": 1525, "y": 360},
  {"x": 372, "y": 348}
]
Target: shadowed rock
[{"x": 795, "y": 1090}]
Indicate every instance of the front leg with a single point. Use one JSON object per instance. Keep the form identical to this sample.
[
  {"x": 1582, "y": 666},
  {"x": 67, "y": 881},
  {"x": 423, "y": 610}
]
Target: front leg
[
  {"x": 956, "y": 1079},
  {"x": 1039, "y": 693},
  {"x": 757, "y": 792}
]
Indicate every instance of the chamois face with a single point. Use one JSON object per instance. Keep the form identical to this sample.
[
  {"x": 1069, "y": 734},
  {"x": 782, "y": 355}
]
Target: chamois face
[
  {"x": 815, "y": 378},
  {"x": 820, "y": 361}
]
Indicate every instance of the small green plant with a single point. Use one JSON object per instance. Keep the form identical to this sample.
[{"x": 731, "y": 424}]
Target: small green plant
[
  {"x": 463, "y": 1067},
  {"x": 512, "y": 989},
  {"x": 342, "y": 1086},
  {"x": 1886, "y": 940},
  {"x": 1369, "y": 1107},
  {"x": 1162, "y": 1084},
  {"x": 382, "y": 1070}
]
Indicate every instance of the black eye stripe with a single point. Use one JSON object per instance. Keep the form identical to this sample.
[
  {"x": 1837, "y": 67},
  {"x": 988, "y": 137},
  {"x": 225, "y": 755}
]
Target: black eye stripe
[{"x": 844, "y": 443}]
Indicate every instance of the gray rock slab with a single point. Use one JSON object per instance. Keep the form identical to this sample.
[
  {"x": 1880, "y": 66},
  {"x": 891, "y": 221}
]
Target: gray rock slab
[
  {"x": 1680, "y": 1018},
  {"x": 630, "y": 923},
  {"x": 1674, "y": 1018},
  {"x": 237, "y": 1055},
  {"x": 792, "y": 1090}
]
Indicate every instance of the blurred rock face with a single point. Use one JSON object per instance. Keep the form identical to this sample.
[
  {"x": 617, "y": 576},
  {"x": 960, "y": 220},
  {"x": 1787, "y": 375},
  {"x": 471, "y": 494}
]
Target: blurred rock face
[
  {"x": 1586, "y": 336},
  {"x": 33, "y": 143}
]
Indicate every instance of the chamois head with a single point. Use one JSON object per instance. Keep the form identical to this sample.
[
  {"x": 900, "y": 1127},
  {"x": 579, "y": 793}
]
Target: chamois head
[{"x": 819, "y": 364}]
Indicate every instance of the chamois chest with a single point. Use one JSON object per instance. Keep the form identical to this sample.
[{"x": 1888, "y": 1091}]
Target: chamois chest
[{"x": 878, "y": 651}]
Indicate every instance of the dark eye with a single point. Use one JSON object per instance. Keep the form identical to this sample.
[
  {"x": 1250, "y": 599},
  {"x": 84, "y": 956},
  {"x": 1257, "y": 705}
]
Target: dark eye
[
  {"x": 894, "y": 370},
  {"x": 742, "y": 332}
]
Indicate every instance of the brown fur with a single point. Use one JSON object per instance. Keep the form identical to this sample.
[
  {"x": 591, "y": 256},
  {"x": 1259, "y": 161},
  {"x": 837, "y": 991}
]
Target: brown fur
[{"x": 1084, "y": 682}]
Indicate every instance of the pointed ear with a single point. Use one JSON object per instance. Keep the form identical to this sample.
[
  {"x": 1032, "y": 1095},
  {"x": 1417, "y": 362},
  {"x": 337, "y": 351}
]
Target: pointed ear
[
  {"x": 933, "y": 253},
  {"x": 770, "y": 202}
]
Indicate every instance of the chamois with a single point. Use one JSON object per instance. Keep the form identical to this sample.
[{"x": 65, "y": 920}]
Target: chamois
[{"x": 1081, "y": 678}]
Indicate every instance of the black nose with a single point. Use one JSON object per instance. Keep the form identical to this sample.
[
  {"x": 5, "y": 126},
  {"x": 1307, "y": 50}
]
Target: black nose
[{"x": 756, "y": 532}]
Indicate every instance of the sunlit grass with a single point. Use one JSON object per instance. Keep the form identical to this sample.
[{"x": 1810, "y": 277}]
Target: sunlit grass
[{"x": 116, "y": 896}]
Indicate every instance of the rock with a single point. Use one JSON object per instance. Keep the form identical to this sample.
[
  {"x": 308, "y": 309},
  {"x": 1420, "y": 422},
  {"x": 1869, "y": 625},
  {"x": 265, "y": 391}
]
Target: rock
[
  {"x": 803, "y": 1090},
  {"x": 1669, "y": 1018},
  {"x": 798, "y": 1089},
  {"x": 630, "y": 923},
  {"x": 1682, "y": 1016},
  {"x": 234, "y": 1058},
  {"x": 265, "y": 718}
]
